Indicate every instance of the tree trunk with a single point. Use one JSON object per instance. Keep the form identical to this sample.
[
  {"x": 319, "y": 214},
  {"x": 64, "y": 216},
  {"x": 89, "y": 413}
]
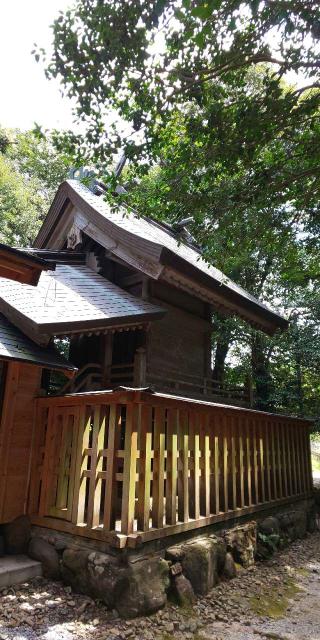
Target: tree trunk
[
  {"x": 299, "y": 384},
  {"x": 222, "y": 348},
  {"x": 261, "y": 373}
]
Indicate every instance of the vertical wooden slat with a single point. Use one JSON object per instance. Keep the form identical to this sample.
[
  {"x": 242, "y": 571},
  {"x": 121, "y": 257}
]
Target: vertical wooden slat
[
  {"x": 94, "y": 502},
  {"x": 289, "y": 458},
  {"x": 225, "y": 465},
  {"x": 78, "y": 463},
  {"x": 143, "y": 504},
  {"x": 183, "y": 483},
  {"x": 194, "y": 466},
  {"x": 129, "y": 470},
  {"x": 248, "y": 462},
  {"x": 279, "y": 460},
  {"x": 172, "y": 452},
  {"x": 205, "y": 466},
  {"x": 110, "y": 486},
  {"x": 261, "y": 432},
  {"x": 158, "y": 468},
  {"x": 78, "y": 511},
  {"x": 284, "y": 458},
  {"x": 217, "y": 463},
  {"x": 255, "y": 461},
  {"x": 303, "y": 459},
  {"x": 308, "y": 443},
  {"x": 93, "y": 467},
  {"x": 267, "y": 458},
  {"x": 241, "y": 425},
  {"x": 48, "y": 461},
  {"x": 62, "y": 480},
  {"x": 293, "y": 458},
  {"x": 233, "y": 463},
  {"x": 299, "y": 462},
  {"x": 273, "y": 461}
]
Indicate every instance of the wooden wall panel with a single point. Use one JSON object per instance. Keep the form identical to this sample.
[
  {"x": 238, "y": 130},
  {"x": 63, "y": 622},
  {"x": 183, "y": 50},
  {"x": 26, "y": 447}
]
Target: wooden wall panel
[
  {"x": 22, "y": 385},
  {"x": 178, "y": 341}
]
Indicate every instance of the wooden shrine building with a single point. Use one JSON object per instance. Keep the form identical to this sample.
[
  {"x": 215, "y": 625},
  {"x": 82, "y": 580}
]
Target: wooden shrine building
[{"x": 127, "y": 437}]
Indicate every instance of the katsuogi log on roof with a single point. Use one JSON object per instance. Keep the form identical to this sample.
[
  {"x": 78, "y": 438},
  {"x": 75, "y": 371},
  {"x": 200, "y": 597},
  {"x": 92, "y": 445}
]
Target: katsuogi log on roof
[
  {"x": 71, "y": 299},
  {"x": 152, "y": 248},
  {"x": 14, "y": 345},
  {"x": 19, "y": 265}
]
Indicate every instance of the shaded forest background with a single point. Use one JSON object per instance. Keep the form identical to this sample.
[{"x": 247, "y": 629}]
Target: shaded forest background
[{"x": 212, "y": 131}]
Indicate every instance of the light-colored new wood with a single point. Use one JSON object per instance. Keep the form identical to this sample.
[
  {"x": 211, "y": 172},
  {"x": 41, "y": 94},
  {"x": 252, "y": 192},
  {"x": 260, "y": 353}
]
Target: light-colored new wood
[
  {"x": 158, "y": 468},
  {"x": 163, "y": 466}
]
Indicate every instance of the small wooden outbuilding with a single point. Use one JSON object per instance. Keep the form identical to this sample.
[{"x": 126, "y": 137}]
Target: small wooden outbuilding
[{"x": 141, "y": 442}]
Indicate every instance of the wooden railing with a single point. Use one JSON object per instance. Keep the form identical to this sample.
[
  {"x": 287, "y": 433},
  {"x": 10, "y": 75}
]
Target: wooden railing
[
  {"x": 173, "y": 381},
  {"x": 133, "y": 466}
]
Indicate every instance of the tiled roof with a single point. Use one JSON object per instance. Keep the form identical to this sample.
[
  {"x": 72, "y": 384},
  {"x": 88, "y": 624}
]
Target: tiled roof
[
  {"x": 72, "y": 298},
  {"x": 155, "y": 243},
  {"x": 14, "y": 345}
]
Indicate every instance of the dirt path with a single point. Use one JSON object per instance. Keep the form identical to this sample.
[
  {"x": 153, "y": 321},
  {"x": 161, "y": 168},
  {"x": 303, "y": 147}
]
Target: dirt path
[{"x": 278, "y": 600}]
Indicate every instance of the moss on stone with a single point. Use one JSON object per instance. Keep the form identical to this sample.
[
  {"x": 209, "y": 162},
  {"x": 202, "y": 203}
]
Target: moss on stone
[
  {"x": 271, "y": 604},
  {"x": 302, "y": 571}
]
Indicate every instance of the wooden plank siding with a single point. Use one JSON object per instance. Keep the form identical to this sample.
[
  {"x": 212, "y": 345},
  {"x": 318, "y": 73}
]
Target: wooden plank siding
[
  {"x": 142, "y": 466},
  {"x": 16, "y": 435}
]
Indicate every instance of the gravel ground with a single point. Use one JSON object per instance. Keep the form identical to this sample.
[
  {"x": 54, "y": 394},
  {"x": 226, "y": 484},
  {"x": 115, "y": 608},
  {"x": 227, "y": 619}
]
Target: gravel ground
[{"x": 278, "y": 600}]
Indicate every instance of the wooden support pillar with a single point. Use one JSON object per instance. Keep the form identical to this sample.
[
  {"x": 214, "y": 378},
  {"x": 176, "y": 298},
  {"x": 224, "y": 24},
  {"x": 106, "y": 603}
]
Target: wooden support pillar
[
  {"x": 106, "y": 359},
  {"x": 140, "y": 368}
]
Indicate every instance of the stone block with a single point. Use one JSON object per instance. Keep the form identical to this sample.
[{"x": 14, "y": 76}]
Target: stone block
[
  {"x": 269, "y": 526},
  {"x": 143, "y": 587},
  {"x": 293, "y": 524},
  {"x": 242, "y": 542},
  {"x": 183, "y": 591},
  {"x": 229, "y": 569},
  {"x": 93, "y": 573},
  {"x": 45, "y": 553},
  {"x": 203, "y": 559},
  {"x": 175, "y": 553}
]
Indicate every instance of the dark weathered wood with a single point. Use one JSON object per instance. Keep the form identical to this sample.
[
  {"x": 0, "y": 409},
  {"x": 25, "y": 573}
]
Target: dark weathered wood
[
  {"x": 147, "y": 248},
  {"x": 241, "y": 463}
]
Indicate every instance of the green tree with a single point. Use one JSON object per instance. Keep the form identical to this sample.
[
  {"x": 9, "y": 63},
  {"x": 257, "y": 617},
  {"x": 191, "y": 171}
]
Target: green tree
[
  {"x": 194, "y": 93},
  {"x": 30, "y": 172},
  {"x": 141, "y": 60}
]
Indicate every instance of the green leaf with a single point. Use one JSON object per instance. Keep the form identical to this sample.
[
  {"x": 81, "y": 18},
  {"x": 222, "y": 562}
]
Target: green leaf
[
  {"x": 200, "y": 39},
  {"x": 203, "y": 12}
]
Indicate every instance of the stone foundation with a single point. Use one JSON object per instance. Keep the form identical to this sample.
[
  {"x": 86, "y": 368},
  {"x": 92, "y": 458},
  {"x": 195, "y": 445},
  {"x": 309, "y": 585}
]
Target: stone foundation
[{"x": 139, "y": 581}]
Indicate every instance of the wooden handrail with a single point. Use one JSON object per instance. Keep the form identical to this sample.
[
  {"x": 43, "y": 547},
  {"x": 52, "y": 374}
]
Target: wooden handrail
[{"x": 74, "y": 384}]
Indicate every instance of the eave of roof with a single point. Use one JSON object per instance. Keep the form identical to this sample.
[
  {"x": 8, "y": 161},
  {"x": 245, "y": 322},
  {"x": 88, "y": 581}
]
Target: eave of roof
[
  {"x": 14, "y": 345},
  {"x": 74, "y": 298},
  {"x": 235, "y": 295},
  {"x": 19, "y": 265},
  {"x": 159, "y": 248}
]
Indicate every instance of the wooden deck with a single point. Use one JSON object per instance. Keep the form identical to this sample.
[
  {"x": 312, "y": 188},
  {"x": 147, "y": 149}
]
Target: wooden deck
[{"x": 131, "y": 466}]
